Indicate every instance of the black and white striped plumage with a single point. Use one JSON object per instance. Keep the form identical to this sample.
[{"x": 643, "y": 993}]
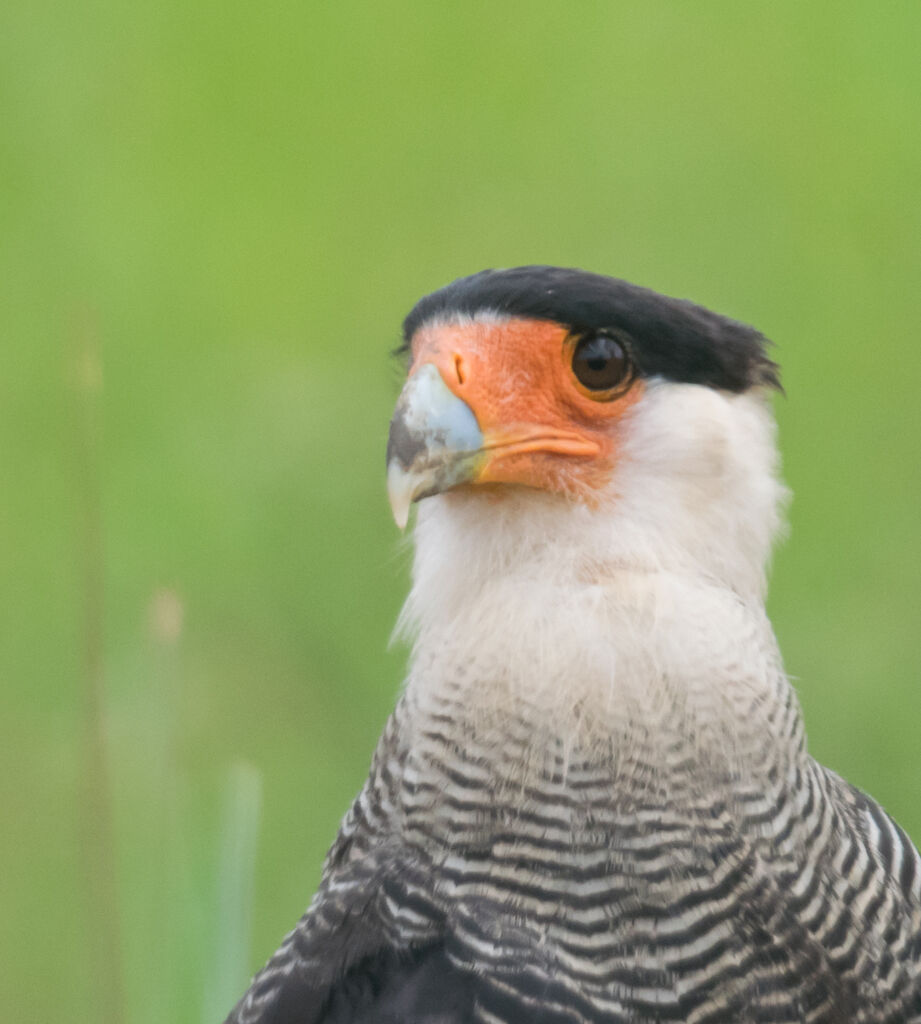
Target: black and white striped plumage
[{"x": 593, "y": 802}]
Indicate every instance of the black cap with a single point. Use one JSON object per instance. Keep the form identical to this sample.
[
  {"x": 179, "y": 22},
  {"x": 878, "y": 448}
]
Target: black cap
[{"x": 670, "y": 338}]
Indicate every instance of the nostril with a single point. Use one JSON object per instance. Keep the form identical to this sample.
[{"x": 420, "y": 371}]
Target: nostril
[{"x": 459, "y": 370}]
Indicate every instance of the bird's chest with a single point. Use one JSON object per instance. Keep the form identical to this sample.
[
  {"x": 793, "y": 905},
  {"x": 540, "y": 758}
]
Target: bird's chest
[
  {"x": 625, "y": 881},
  {"x": 583, "y": 876},
  {"x": 569, "y": 840}
]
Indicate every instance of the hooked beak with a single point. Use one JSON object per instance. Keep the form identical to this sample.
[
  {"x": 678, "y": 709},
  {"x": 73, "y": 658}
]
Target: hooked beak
[{"x": 435, "y": 442}]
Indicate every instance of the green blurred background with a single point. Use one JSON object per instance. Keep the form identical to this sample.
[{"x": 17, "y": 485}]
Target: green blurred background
[{"x": 213, "y": 217}]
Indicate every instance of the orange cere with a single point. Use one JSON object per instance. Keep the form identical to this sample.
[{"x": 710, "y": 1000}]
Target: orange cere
[{"x": 540, "y": 427}]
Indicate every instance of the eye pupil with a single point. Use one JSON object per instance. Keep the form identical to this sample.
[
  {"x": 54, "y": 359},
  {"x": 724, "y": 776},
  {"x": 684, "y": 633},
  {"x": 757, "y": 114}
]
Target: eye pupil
[{"x": 600, "y": 363}]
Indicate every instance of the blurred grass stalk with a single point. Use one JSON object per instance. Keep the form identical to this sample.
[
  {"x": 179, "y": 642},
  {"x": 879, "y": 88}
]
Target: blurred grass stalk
[
  {"x": 236, "y": 871},
  {"x": 226, "y": 951},
  {"x": 100, "y": 861}
]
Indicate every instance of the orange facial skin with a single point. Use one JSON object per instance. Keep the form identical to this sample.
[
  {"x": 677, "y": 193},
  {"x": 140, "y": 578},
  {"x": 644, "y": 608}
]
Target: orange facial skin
[{"x": 541, "y": 427}]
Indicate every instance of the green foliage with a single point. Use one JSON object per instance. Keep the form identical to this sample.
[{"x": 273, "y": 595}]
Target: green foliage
[{"x": 231, "y": 207}]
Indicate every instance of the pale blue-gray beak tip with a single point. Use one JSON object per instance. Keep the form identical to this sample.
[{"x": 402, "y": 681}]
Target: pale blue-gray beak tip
[{"x": 435, "y": 442}]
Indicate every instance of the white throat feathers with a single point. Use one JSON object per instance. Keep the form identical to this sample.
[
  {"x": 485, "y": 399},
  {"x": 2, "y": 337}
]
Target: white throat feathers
[{"x": 641, "y": 614}]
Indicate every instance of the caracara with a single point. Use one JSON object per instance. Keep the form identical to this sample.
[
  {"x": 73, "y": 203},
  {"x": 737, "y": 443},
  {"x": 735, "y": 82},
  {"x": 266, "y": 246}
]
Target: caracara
[{"x": 593, "y": 801}]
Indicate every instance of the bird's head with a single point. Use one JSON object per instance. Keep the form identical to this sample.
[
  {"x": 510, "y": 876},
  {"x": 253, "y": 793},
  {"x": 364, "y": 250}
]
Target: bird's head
[{"x": 640, "y": 414}]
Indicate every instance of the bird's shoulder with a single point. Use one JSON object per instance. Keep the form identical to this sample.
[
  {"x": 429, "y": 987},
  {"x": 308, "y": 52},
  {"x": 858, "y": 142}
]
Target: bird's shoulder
[{"x": 882, "y": 838}]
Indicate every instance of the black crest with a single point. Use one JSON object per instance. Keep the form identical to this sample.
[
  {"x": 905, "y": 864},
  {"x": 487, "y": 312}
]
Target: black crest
[{"x": 670, "y": 338}]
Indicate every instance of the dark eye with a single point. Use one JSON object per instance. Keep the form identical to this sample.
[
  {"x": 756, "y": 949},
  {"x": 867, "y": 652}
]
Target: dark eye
[{"x": 601, "y": 363}]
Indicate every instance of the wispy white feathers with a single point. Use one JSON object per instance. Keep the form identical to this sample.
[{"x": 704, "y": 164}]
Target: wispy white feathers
[{"x": 640, "y": 613}]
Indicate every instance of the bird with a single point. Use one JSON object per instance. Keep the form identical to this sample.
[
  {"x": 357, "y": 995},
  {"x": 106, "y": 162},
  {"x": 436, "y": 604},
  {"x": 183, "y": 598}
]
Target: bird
[{"x": 593, "y": 801}]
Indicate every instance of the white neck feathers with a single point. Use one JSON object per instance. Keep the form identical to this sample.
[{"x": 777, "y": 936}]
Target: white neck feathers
[{"x": 645, "y": 606}]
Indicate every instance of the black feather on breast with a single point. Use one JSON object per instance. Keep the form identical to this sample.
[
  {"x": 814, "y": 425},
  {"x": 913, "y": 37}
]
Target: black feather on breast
[
  {"x": 428, "y": 989},
  {"x": 384, "y": 989}
]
